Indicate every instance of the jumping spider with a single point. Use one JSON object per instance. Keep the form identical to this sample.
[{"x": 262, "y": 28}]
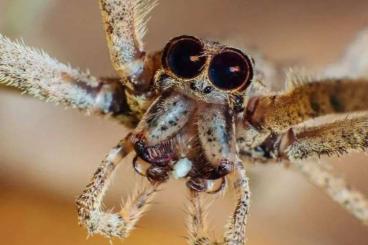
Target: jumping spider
[{"x": 199, "y": 113}]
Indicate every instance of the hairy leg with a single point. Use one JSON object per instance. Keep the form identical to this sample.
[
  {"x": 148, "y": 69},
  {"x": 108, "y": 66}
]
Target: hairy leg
[
  {"x": 196, "y": 224},
  {"x": 125, "y": 26},
  {"x": 279, "y": 112},
  {"x": 307, "y": 98},
  {"x": 235, "y": 228},
  {"x": 322, "y": 176},
  {"x": 235, "y": 233},
  {"x": 37, "y": 74},
  {"x": 301, "y": 143},
  {"x": 329, "y": 139},
  {"x": 89, "y": 203}
]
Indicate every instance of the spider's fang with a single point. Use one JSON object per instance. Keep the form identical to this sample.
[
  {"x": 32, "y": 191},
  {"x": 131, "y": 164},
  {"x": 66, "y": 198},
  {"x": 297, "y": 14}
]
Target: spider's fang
[
  {"x": 156, "y": 174},
  {"x": 224, "y": 168},
  {"x": 160, "y": 154}
]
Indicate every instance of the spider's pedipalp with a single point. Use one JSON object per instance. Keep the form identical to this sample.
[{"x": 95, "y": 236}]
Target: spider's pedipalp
[
  {"x": 89, "y": 203},
  {"x": 322, "y": 176},
  {"x": 156, "y": 135},
  {"x": 216, "y": 134},
  {"x": 36, "y": 73}
]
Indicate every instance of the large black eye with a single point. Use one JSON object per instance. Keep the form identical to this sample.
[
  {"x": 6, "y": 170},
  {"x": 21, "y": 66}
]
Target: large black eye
[
  {"x": 183, "y": 56},
  {"x": 230, "y": 70}
]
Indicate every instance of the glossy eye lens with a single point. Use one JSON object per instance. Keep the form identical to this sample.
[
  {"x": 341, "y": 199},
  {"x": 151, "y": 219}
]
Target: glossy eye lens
[
  {"x": 184, "y": 56},
  {"x": 230, "y": 70}
]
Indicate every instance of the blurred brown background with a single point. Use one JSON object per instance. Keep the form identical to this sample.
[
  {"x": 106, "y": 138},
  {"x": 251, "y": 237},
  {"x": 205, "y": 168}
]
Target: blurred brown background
[{"x": 47, "y": 154}]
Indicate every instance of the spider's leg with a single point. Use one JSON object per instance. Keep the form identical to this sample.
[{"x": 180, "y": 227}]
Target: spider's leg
[
  {"x": 89, "y": 203},
  {"x": 301, "y": 143},
  {"x": 336, "y": 187},
  {"x": 308, "y": 98},
  {"x": 196, "y": 224},
  {"x": 235, "y": 233},
  {"x": 279, "y": 112},
  {"x": 37, "y": 74},
  {"x": 125, "y": 26},
  {"x": 327, "y": 139},
  {"x": 235, "y": 228}
]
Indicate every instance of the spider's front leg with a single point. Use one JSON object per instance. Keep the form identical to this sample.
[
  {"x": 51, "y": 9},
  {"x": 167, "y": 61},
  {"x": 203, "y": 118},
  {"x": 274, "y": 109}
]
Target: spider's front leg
[
  {"x": 279, "y": 112},
  {"x": 89, "y": 203},
  {"x": 35, "y": 73},
  {"x": 308, "y": 98},
  {"x": 125, "y": 98},
  {"x": 125, "y": 26}
]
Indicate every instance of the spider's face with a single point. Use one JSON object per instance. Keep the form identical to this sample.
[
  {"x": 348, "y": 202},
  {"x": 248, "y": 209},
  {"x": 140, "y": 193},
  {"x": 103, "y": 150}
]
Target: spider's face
[{"x": 204, "y": 70}]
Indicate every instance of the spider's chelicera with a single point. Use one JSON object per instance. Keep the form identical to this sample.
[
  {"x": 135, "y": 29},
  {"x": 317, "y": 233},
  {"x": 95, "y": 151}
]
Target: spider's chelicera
[{"x": 199, "y": 113}]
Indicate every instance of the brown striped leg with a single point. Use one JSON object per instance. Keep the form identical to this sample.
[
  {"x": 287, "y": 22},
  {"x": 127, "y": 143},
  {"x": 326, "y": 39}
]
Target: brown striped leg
[
  {"x": 35, "y": 73},
  {"x": 332, "y": 139},
  {"x": 301, "y": 143},
  {"x": 125, "y": 26},
  {"x": 279, "y": 112},
  {"x": 329, "y": 139},
  {"x": 321, "y": 175},
  {"x": 235, "y": 233},
  {"x": 89, "y": 203}
]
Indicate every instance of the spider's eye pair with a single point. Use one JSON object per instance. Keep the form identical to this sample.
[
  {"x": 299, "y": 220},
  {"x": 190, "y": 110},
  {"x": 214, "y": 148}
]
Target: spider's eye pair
[{"x": 228, "y": 70}]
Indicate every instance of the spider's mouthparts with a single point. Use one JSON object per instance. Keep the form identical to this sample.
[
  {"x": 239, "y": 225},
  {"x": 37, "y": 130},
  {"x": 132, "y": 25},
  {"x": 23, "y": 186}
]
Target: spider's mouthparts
[
  {"x": 206, "y": 185},
  {"x": 160, "y": 154}
]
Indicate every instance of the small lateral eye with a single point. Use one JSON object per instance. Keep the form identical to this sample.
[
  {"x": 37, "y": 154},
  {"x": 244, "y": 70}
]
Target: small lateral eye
[
  {"x": 183, "y": 56},
  {"x": 230, "y": 70}
]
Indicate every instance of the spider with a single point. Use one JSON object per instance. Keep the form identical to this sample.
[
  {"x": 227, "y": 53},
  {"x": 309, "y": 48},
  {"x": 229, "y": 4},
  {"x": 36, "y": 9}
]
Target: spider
[{"x": 200, "y": 112}]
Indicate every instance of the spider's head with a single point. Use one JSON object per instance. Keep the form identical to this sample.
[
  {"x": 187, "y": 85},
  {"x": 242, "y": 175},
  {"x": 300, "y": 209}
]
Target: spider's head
[{"x": 204, "y": 70}]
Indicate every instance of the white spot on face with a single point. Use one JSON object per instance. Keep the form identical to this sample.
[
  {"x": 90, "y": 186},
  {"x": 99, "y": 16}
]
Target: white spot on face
[{"x": 182, "y": 168}]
